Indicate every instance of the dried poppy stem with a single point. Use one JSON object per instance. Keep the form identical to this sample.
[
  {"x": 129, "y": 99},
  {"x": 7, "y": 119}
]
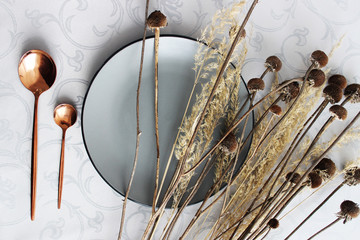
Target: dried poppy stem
[
  {"x": 272, "y": 224},
  {"x": 315, "y": 210},
  {"x": 314, "y": 181},
  {"x": 182, "y": 121},
  {"x": 215, "y": 186},
  {"x": 251, "y": 158},
  {"x": 235, "y": 224},
  {"x": 318, "y": 59},
  {"x": 283, "y": 203},
  {"x": 138, "y": 132},
  {"x": 323, "y": 229},
  {"x": 352, "y": 178},
  {"x": 272, "y": 64},
  {"x": 248, "y": 229},
  {"x": 177, "y": 177},
  {"x": 251, "y": 209},
  {"x": 348, "y": 211},
  {"x": 297, "y": 140},
  {"x": 155, "y": 21},
  {"x": 281, "y": 96},
  {"x": 337, "y": 139},
  {"x": 280, "y": 87},
  {"x": 333, "y": 94},
  {"x": 217, "y": 183},
  {"x": 201, "y": 212},
  {"x": 211, "y": 190},
  {"x": 233, "y": 162},
  {"x": 315, "y": 80},
  {"x": 196, "y": 187}
]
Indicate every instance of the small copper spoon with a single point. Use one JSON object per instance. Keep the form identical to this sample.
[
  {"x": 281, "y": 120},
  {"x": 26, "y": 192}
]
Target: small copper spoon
[
  {"x": 65, "y": 117},
  {"x": 37, "y": 72}
]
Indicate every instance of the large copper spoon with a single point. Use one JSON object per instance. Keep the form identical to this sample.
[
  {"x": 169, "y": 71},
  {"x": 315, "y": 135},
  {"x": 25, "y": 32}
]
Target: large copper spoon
[
  {"x": 65, "y": 117},
  {"x": 37, "y": 72}
]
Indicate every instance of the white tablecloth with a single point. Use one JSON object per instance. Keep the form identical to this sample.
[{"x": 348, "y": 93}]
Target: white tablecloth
[{"x": 80, "y": 35}]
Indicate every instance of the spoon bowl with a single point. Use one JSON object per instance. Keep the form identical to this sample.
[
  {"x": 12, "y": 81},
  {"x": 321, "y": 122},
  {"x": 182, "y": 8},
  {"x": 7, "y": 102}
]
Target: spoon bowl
[
  {"x": 65, "y": 117},
  {"x": 37, "y": 72}
]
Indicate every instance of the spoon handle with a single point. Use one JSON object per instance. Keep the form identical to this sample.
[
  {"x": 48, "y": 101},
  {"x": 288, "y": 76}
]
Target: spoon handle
[
  {"x": 34, "y": 159},
  {"x": 61, "y": 170}
]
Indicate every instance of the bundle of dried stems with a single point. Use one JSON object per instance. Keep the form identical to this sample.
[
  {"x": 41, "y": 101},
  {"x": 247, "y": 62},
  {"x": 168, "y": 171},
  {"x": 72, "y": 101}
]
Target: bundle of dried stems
[{"x": 282, "y": 161}]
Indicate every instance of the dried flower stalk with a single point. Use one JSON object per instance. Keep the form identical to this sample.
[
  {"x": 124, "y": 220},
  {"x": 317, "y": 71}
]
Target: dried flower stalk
[
  {"x": 349, "y": 210},
  {"x": 138, "y": 131}
]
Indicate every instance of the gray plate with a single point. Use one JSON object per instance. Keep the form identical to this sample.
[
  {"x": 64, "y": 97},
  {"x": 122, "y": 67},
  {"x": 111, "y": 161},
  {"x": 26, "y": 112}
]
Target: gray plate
[{"x": 109, "y": 119}]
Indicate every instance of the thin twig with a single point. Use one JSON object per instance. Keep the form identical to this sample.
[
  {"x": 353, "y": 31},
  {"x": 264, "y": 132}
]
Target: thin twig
[
  {"x": 317, "y": 208},
  {"x": 281, "y": 86},
  {"x": 156, "y": 112},
  {"x": 187, "y": 151},
  {"x": 209, "y": 164},
  {"x": 323, "y": 229},
  {"x": 295, "y": 188},
  {"x": 138, "y": 132}
]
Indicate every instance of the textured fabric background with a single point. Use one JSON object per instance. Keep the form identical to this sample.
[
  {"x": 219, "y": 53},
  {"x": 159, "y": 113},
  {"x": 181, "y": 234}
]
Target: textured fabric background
[{"x": 80, "y": 35}]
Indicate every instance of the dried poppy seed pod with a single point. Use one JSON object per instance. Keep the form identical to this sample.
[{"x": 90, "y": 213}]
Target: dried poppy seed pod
[
  {"x": 314, "y": 180},
  {"x": 332, "y": 93},
  {"x": 276, "y": 109},
  {"x": 273, "y": 223},
  {"x": 256, "y": 84},
  {"x": 319, "y": 58},
  {"x": 352, "y": 176},
  {"x": 326, "y": 168},
  {"x": 156, "y": 20},
  {"x": 316, "y": 78},
  {"x": 338, "y": 111},
  {"x": 274, "y": 63},
  {"x": 348, "y": 210},
  {"x": 339, "y": 80},
  {"x": 290, "y": 91},
  {"x": 353, "y": 91},
  {"x": 230, "y": 144},
  {"x": 294, "y": 179},
  {"x": 233, "y": 32}
]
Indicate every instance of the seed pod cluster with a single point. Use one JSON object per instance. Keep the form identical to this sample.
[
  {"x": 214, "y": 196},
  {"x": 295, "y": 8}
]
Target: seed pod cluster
[
  {"x": 276, "y": 109},
  {"x": 289, "y": 92},
  {"x": 273, "y": 223},
  {"x": 156, "y": 20},
  {"x": 294, "y": 179},
  {"x": 274, "y": 63},
  {"x": 353, "y": 91},
  {"x": 352, "y": 176},
  {"x": 314, "y": 180},
  {"x": 229, "y": 145},
  {"x": 339, "y": 112},
  {"x": 316, "y": 77},
  {"x": 333, "y": 93},
  {"x": 319, "y": 58},
  {"x": 256, "y": 84},
  {"x": 326, "y": 168},
  {"x": 348, "y": 210},
  {"x": 338, "y": 80}
]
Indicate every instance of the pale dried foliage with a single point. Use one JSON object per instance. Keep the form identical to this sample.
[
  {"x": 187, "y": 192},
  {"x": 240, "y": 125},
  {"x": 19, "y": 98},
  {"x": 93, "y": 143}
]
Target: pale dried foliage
[
  {"x": 226, "y": 98},
  {"x": 264, "y": 154},
  {"x": 257, "y": 169}
]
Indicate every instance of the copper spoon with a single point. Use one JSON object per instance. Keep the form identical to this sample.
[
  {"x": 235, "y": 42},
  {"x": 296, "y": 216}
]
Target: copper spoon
[
  {"x": 65, "y": 117},
  {"x": 37, "y": 72}
]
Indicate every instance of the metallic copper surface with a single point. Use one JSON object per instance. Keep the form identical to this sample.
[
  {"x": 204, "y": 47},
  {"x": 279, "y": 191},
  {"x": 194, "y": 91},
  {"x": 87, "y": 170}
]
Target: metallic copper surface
[
  {"x": 65, "y": 117},
  {"x": 37, "y": 72}
]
